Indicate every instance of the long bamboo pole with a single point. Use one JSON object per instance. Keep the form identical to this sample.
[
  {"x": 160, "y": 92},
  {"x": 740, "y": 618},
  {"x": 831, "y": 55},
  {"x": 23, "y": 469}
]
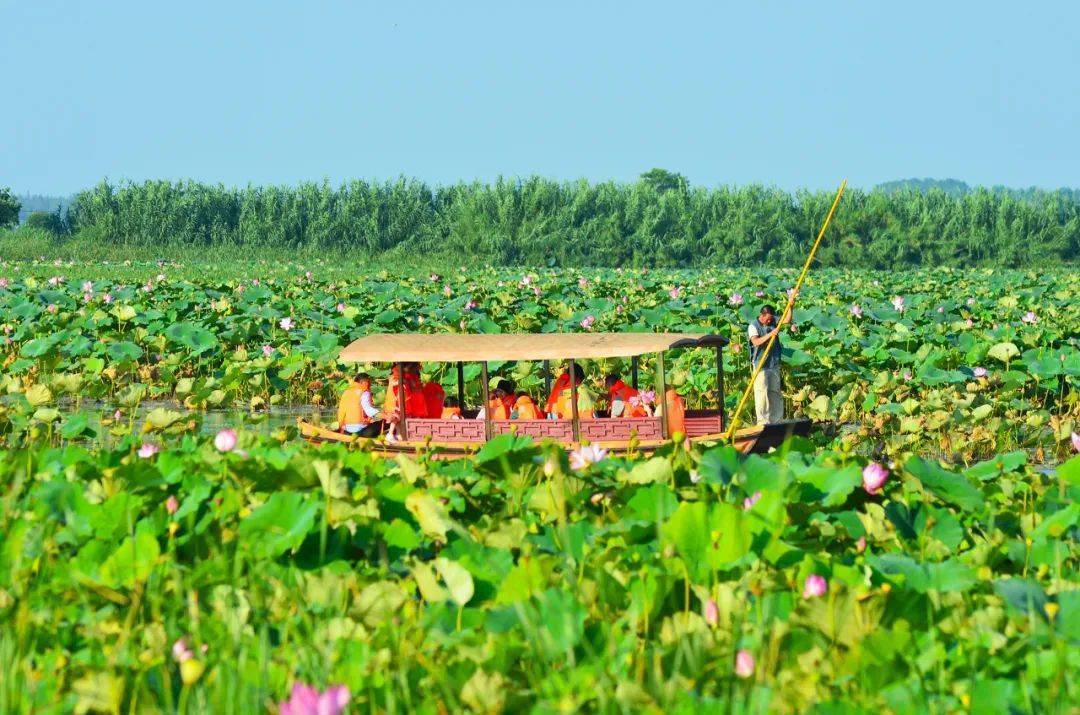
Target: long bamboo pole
[{"x": 787, "y": 312}]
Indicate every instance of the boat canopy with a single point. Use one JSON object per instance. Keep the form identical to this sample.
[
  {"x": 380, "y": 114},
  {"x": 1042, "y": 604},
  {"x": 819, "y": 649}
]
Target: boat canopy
[{"x": 423, "y": 347}]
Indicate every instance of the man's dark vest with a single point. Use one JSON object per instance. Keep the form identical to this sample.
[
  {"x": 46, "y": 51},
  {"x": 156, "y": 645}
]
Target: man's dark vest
[{"x": 773, "y": 361}]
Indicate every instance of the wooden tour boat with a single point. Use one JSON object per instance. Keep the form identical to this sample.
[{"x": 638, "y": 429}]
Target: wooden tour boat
[{"x": 460, "y": 437}]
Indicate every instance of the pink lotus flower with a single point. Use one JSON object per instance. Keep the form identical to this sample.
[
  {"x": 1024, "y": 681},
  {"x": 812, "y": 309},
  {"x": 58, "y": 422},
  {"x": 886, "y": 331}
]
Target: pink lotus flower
[
  {"x": 941, "y": 309},
  {"x": 526, "y": 280},
  {"x": 286, "y": 323},
  {"x": 898, "y": 303},
  {"x": 4, "y": 283},
  {"x": 874, "y": 476},
  {"x": 307, "y": 274},
  {"x": 907, "y": 375},
  {"x": 751, "y": 500},
  {"x": 736, "y": 348},
  {"x": 470, "y": 304},
  {"x": 712, "y": 612},
  {"x": 108, "y": 298},
  {"x": 815, "y": 586},
  {"x": 969, "y": 322},
  {"x": 759, "y": 294},
  {"x": 1030, "y": 317},
  {"x": 306, "y": 700},
  {"x": 971, "y": 301},
  {"x": 856, "y": 311},
  {"x": 434, "y": 278},
  {"x": 116, "y": 415},
  {"x": 87, "y": 297},
  {"x": 583, "y": 457},
  {"x": 744, "y": 664},
  {"x": 341, "y": 307},
  {"x": 225, "y": 441},
  {"x": 180, "y": 651},
  {"x": 860, "y": 545},
  {"x": 735, "y": 299},
  {"x": 582, "y": 283},
  {"x": 87, "y": 287},
  {"x": 148, "y": 450},
  {"x": 267, "y": 351},
  {"x": 536, "y": 291},
  {"x": 1075, "y": 441},
  {"x": 51, "y": 308},
  {"x": 172, "y": 504},
  {"x": 675, "y": 292},
  {"x": 980, "y": 371},
  {"x": 587, "y": 322},
  {"x": 446, "y": 290},
  {"x": 54, "y": 281}
]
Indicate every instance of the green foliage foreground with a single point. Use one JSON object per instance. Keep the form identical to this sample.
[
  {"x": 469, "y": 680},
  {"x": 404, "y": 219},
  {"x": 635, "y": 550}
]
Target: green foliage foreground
[{"x": 513, "y": 582}]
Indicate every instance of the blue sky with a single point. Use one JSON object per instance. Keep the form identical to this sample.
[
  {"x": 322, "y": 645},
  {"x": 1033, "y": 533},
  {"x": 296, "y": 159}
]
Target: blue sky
[{"x": 793, "y": 94}]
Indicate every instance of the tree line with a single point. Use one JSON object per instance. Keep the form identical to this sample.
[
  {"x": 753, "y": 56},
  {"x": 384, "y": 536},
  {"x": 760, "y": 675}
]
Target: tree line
[{"x": 659, "y": 220}]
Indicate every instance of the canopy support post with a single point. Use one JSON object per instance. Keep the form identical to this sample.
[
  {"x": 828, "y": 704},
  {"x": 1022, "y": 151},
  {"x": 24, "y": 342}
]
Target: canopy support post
[
  {"x": 661, "y": 394},
  {"x": 401, "y": 400},
  {"x": 547, "y": 377},
  {"x": 576, "y": 421},
  {"x": 634, "y": 372},
  {"x": 720, "y": 384},
  {"x": 485, "y": 390},
  {"x": 461, "y": 385}
]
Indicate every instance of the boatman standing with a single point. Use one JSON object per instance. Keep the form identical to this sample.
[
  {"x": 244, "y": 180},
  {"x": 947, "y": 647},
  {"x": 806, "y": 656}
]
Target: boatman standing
[{"x": 768, "y": 400}]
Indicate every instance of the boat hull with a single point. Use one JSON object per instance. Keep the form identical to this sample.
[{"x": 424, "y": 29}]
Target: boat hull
[{"x": 760, "y": 438}]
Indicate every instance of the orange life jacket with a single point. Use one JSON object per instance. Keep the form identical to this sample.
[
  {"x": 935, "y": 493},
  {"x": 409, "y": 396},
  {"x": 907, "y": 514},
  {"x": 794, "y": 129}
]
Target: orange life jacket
[
  {"x": 621, "y": 391},
  {"x": 527, "y": 409},
  {"x": 434, "y": 396},
  {"x": 497, "y": 409},
  {"x": 350, "y": 411},
  {"x": 562, "y": 383},
  {"x": 451, "y": 413},
  {"x": 676, "y": 412}
]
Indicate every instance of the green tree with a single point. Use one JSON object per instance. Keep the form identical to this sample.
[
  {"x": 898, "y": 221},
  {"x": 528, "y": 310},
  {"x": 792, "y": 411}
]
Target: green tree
[
  {"x": 662, "y": 180},
  {"x": 9, "y": 208}
]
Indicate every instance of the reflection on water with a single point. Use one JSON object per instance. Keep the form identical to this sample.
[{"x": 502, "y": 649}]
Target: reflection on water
[{"x": 263, "y": 422}]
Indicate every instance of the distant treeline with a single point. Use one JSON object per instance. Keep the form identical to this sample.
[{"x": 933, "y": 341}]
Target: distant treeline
[{"x": 659, "y": 220}]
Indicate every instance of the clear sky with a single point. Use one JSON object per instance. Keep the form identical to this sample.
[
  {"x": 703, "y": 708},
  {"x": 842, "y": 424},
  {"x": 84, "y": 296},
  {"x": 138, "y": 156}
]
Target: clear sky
[{"x": 794, "y": 94}]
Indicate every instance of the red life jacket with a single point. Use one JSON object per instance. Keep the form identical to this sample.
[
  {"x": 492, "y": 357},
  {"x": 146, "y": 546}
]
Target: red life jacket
[
  {"x": 433, "y": 397},
  {"x": 621, "y": 391}
]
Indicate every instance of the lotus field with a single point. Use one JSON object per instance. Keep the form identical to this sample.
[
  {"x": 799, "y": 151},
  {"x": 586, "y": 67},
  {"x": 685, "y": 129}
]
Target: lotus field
[{"x": 167, "y": 544}]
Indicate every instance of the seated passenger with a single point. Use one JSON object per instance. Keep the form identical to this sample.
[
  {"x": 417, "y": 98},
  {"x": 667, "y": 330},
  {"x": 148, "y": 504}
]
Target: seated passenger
[
  {"x": 497, "y": 402},
  {"x": 525, "y": 408},
  {"x": 451, "y": 409},
  {"x": 357, "y": 413},
  {"x": 561, "y": 383},
  {"x": 624, "y": 400},
  {"x": 564, "y": 408}
]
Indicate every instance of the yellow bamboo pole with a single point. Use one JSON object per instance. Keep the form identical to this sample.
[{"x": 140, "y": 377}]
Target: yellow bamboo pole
[{"x": 785, "y": 314}]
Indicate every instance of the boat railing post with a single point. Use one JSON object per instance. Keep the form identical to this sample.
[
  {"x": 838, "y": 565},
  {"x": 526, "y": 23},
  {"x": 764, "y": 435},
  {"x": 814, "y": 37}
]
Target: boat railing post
[
  {"x": 547, "y": 376},
  {"x": 461, "y": 385},
  {"x": 576, "y": 417},
  {"x": 485, "y": 392},
  {"x": 661, "y": 394},
  {"x": 720, "y": 384},
  {"x": 401, "y": 400},
  {"x": 634, "y": 372}
]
